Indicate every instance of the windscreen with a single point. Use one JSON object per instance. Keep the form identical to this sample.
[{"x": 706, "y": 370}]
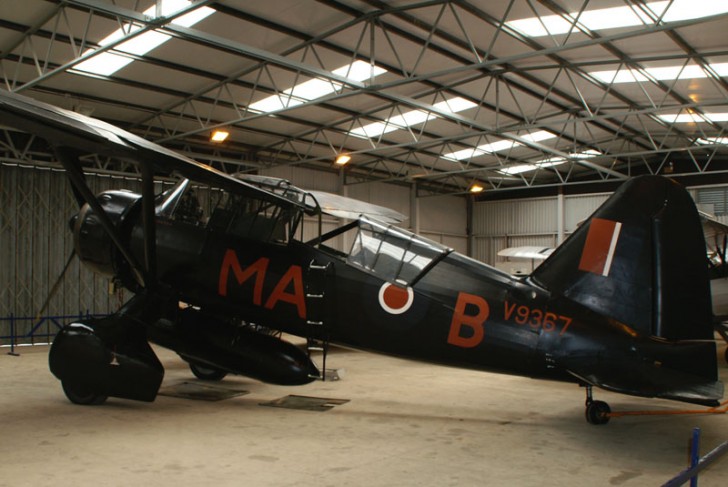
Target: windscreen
[{"x": 392, "y": 253}]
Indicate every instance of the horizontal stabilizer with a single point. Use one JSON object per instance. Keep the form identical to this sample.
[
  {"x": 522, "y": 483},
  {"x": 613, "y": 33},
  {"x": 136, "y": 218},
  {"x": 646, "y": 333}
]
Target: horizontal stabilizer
[{"x": 650, "y": 378}]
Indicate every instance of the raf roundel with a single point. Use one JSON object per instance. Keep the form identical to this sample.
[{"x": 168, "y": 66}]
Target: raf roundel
[{"x": 395, "y": 299}]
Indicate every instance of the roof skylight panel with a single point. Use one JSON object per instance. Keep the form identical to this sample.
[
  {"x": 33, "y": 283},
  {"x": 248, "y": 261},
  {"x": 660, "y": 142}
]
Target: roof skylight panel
[
  {"x": 616, "y": 17},
  {"x": 497, "y": 146},
  {"x": 549, "y": 162},
  {"x": 109, "y": 62},
  {"x": 712, "y": 141},
  {"x": 316, "y": 88},
  {"x": 411, "y": 118},
  {"x": 521, "y": 168},
  {"x": 693, "y": 117},
  {"x": 661, "y": 73}
]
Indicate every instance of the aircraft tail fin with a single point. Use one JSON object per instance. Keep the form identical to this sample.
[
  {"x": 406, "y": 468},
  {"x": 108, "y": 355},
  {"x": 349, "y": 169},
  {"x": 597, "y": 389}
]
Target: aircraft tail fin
[{"x": 640, "y": 259}]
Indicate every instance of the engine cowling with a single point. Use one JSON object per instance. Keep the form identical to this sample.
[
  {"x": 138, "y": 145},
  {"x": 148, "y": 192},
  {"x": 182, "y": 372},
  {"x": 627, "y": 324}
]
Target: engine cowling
[{"x": 93, "y": 245}]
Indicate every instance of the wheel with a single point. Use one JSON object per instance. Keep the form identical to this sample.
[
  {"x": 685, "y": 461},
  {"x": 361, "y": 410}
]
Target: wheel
[
  {"x": 204, "y": 372},
  {"x": 82, "y": 395},
  {"x": 597, "y": 412}
]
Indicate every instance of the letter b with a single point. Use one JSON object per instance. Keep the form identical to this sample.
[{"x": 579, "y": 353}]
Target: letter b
[{"x": 474, "y": 322}]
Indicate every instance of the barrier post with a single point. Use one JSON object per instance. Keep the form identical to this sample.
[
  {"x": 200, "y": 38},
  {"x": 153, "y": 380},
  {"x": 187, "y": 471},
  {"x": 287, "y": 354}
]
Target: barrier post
[
  {"x": 695, "y": 455},
  {"x": 697, "y": 464},
  {"x": 12, "y": 336}
]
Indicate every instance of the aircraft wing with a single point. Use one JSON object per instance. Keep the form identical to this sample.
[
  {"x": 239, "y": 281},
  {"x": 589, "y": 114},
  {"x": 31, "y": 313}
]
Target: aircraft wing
[
  {"x": 712, "y": 228},
  {"x": 343, "y": 207},
  {"x": 64, "y": 128},
  {"x": 526, "y": 252},
  {"x": 328, "y": 203}
]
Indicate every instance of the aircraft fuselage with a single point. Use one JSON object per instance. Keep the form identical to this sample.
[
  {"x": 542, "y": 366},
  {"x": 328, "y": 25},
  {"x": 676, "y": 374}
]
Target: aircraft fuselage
[{"x": 461, "y": 312}]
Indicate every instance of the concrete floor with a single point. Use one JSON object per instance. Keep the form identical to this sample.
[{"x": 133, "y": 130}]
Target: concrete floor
[{"x": 406, "y": 424}]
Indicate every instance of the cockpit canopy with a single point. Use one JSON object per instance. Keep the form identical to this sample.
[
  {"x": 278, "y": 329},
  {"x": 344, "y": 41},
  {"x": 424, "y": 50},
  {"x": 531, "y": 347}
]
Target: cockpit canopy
[
  {"x": 377, "y": 247},
  {"x": 389, "y": 252},
  {"x": 241, "y": 214}
]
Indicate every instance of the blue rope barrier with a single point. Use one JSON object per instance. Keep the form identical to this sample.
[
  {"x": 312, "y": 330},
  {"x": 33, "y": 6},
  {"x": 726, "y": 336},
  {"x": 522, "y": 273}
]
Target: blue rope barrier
[
  {"x": 37, "y": 322},
  {"x": 697, "y": 464}
]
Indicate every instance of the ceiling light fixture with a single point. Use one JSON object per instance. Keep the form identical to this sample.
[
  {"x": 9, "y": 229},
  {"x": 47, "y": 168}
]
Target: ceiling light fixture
[
  {"x": 476, "y": 188},
  {"x": 219, "y": 136},
  {"x": 342, "y": 159}
]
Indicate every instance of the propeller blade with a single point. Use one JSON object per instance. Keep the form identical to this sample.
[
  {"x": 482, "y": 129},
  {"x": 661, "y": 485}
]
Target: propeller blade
[
  {"x": 150, "y": 224},
  {"x": 69, "y": 160},
  {"x": 56, "y": 286},
  {"x": 77, "y": 195}
]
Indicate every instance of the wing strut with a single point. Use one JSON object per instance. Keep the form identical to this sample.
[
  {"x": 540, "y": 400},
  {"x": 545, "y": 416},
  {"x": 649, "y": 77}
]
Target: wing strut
[
  {"x": 70, "y": 162},
  {"x": 149, "y": 222}
]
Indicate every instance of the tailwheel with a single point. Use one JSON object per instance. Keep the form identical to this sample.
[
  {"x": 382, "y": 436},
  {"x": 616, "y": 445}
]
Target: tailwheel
[
  {"x": 82, "y": 395},
  {"x": 597, "y": 412},
  {"x": 205, "y": 372}
]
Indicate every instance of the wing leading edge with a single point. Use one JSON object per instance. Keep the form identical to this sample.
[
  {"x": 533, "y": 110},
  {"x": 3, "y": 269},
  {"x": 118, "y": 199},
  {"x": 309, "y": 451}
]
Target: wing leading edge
[
  {"x": 64, "y": 128},
  {"x": 343, "y": 207}
]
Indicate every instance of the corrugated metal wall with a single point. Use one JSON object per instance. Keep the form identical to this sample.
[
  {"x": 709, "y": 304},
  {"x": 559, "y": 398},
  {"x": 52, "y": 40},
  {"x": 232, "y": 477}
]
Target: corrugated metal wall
[
  {"x": 35, "y": 243},
  {"x": 579, "y": 208},
  {"x": 387, "y": 195},
  {"x": 444, "y": 220},
  {"x": 501, "y": 224},
  {"x": 514, "y": 223}
]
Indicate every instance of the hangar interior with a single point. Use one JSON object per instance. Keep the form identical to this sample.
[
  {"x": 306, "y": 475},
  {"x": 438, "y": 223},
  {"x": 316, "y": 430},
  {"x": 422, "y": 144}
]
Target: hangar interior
[
  {"x": 444, "y": 107},
  {"x": 489, "y": 124}
]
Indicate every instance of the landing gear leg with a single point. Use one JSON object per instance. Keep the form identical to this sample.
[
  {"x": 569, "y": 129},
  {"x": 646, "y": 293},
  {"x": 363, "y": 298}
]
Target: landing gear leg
[{"x": 597, "y": 412}]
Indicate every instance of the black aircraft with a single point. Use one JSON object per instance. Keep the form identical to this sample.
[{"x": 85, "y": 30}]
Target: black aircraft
[{"x": 623, "y": 304}]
